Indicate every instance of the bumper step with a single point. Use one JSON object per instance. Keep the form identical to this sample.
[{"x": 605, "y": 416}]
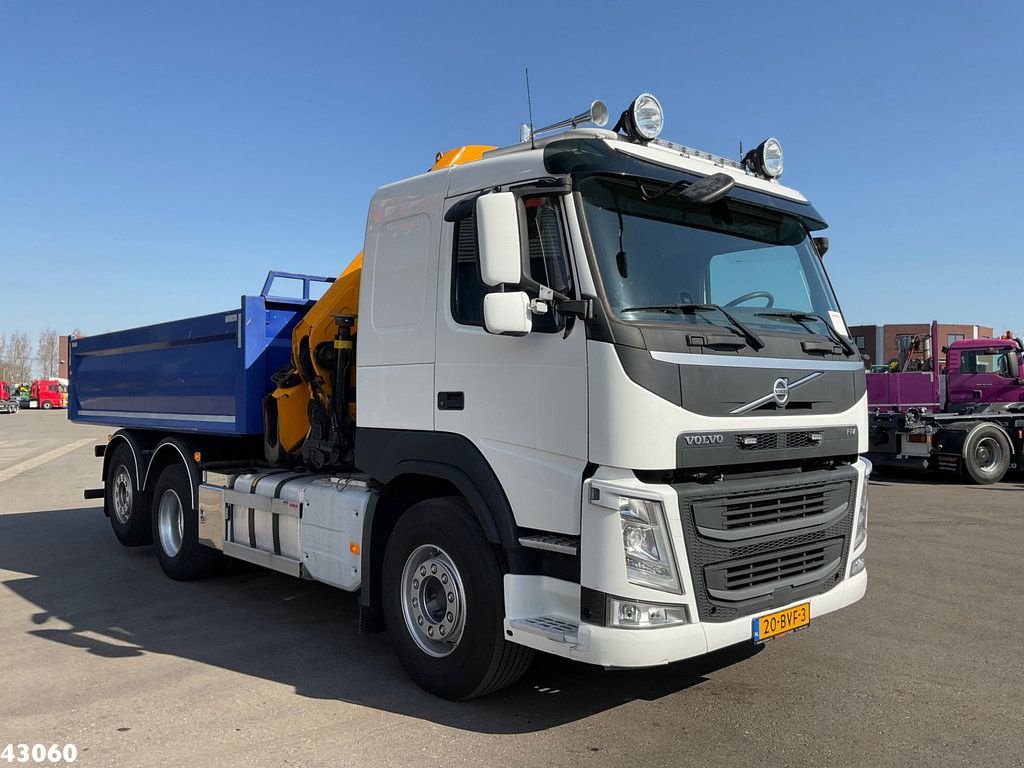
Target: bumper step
[{"x": 551, "y": 627}]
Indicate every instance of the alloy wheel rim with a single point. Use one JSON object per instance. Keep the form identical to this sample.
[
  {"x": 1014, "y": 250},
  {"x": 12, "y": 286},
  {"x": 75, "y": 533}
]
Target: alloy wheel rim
[
  {"x": 122, "y": 495},
  {"x": 433, "y": 600},
  {"x": 170, "y": 522}
]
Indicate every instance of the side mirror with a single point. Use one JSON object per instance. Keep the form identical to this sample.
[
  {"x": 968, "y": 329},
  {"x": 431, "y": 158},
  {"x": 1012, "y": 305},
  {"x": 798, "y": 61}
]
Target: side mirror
[
  {"x": 821, "y": 246},
  {"x": 508, "y": 314},
  {"x": 497, "y": 224}
]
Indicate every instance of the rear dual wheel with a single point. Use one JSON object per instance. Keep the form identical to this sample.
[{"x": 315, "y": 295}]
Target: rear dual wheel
[{"x": 175, "y": 525}]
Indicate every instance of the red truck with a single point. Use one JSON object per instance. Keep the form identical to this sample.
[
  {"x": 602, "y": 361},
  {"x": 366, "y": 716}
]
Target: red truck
[
  {"x": 966, "y": 417},
  {"x": 9, "y": 402},
  {"x": 47, "y": 394}
]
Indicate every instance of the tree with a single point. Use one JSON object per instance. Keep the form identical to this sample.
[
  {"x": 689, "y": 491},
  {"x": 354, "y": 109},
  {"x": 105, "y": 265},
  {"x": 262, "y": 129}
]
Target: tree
[
  {"x": 5, "y": 365},
  {"x": 19, "y": 355},
  {"x": 48, "y": 352}
]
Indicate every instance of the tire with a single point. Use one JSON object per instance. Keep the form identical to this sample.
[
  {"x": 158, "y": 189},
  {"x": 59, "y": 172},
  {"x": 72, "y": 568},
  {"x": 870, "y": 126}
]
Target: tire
[
  {"x": 441, "y": 575},
  {"x": 47, "y": 405},
  {"x": 986, "y": 454},
  {"x": 176, "y": 529},
  {"x": 127, "y": 507}
]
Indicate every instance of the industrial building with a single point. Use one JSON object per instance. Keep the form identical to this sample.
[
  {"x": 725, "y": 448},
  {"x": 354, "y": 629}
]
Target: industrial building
[{"x": 881, "y": 343}]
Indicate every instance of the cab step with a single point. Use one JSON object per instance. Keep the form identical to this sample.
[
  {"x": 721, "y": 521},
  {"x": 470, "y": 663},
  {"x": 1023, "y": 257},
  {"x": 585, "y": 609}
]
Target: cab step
[
  {"x": 551, "y": 627},
  {"x": 552, "y": 542}
]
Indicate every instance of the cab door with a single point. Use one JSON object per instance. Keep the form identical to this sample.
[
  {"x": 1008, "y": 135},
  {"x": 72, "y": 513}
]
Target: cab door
[
  {"x": 522, "y": 401},
  {"x": 985, "y": 375}
]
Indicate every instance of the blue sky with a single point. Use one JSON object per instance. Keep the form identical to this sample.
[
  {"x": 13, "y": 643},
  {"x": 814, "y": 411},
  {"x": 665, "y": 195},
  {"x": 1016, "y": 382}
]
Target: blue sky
[{"x": 156, "y": 159}]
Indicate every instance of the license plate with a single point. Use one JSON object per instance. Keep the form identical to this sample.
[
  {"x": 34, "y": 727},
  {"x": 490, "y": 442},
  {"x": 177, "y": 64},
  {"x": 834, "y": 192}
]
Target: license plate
[{"x": 781, "y": 622}]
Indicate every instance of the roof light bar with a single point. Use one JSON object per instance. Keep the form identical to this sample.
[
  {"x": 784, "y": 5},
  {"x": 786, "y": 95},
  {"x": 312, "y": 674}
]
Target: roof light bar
[{"x": 698, "y": 153}]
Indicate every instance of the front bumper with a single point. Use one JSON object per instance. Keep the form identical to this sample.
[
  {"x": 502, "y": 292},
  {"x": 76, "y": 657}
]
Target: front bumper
[
  {"x": 612, "y": 647},
  {"x": 533, "y": 600}
]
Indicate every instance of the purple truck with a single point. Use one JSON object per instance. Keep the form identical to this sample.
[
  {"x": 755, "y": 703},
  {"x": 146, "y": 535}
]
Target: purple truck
[{"x": 966, "y": 417}]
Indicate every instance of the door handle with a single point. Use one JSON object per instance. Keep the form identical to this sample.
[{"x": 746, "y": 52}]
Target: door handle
[{"x": 451, "y": 401}]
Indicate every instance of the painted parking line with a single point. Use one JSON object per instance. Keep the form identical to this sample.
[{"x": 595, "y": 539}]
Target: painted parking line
[{"x": 42, "y": 458}]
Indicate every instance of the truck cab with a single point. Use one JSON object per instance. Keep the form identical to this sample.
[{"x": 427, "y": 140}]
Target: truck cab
[
  {"x": 983, "y": 372},
  {"x": 661, "y": 389},
  {"x": 47, "y": 394},
  {"x": 9, "y": 402}
]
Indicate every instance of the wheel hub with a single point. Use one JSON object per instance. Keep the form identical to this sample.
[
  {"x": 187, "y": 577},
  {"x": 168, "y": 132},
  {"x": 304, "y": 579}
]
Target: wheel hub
[
  {"x": 170, "y": 522},
  {"x": 433, "y": 600},
  {"x": 122, "y": 496},
  {"x": 988, "y": 454}
]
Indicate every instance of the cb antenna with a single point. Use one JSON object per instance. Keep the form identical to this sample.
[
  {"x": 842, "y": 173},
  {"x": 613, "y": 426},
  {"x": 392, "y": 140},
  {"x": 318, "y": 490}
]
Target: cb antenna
[{"x": 529, "y": 106}]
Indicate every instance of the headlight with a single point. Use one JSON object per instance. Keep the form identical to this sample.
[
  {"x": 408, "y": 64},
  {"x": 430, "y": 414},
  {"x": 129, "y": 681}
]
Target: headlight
[
  {"x": 765, "y": 159},
  {"x": 862, "y": 519},
  {"x": 646, "y": 545},
  {"x": 644, "y": 119}
]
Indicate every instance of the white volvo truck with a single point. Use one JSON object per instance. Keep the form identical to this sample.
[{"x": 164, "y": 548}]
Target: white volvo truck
[{"x": 604, "y": 408}]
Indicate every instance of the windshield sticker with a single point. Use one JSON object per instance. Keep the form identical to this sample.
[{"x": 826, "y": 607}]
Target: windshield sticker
[{"x": 837, "y": 322}]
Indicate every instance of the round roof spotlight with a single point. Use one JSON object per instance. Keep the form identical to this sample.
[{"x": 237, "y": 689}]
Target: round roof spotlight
[
  {"x": 643, "y": 120},
  {"x": 765, "y": 159}
]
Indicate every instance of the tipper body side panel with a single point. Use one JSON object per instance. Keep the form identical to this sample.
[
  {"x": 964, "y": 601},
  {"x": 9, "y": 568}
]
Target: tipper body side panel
[{"x": 205, "y": 374}]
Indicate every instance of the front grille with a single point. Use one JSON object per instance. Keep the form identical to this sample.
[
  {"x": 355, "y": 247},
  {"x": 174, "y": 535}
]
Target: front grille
[
  {"x": 759, "y": 543},
  {"x": 761, "y": 574},
  {"x": 758, "y": 510},
  {"x": 770, "y": 511}
]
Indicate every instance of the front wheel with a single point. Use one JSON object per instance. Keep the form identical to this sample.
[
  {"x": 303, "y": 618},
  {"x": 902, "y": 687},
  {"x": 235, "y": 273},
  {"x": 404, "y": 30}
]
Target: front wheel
[
  {"x": 176, "y": 529},
  {"x": 47, "y": 405},
  {"x": 986, "y": 454},
  {"x": 444, "y": 606}
]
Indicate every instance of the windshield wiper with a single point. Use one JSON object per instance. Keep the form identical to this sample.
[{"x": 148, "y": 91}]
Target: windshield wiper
[
  {"x": 752, "y": 338},
  {"x": 801, "y": 317}
]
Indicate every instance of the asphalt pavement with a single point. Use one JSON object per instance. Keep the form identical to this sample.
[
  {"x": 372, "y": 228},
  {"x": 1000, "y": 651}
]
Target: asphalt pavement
[{"x": 100, "y": 650}]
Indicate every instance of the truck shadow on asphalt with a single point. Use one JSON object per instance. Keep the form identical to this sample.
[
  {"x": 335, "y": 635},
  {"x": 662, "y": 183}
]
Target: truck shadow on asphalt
[
  {"x": 902, "y": 477},
  {"x": 115, "y": 603}
]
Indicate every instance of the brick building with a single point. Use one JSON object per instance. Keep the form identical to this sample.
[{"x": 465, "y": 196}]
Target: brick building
[
  {"x": 881, "y": 343},
  {"x": 64, "y": 357}
]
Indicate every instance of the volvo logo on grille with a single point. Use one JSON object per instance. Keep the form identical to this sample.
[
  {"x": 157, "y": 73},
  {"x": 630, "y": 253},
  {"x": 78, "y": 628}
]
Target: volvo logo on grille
[
  {"x": 704, "y": 439},
  {"x": 781, "y": 392}
]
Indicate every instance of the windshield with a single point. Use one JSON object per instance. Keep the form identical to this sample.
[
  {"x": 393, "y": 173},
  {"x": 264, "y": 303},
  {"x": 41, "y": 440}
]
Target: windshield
[{"x": 656, "y": 255}]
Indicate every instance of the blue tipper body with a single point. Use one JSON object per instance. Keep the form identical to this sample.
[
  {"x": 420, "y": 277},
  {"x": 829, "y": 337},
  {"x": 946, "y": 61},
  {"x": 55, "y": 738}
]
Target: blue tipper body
[{"x": 206, "y": 374}]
